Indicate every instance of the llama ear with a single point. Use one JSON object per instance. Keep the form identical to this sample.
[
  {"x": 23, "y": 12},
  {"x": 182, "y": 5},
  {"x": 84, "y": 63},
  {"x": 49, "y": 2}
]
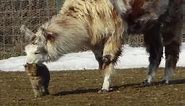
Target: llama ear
[
  {"x": 28, "y": 33},
  {"x": 50, "y": 36}
]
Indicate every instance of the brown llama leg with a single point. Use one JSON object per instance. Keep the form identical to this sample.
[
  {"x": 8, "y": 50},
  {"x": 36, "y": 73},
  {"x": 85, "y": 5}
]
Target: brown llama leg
[
  {"x": 172, "y": 49},
  {"x": 171, "y": 32},
  {"x": 154, "y": 47}
]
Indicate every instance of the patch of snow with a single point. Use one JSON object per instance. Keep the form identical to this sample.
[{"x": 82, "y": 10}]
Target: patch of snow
[{"x": 132, "y": 57}]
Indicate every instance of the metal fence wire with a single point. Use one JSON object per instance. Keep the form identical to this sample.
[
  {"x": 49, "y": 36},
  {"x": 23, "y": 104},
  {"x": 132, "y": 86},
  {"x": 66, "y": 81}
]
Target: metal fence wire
[
  {"x": 13, "y": 14},
  {"x": 32, "y": 13}
]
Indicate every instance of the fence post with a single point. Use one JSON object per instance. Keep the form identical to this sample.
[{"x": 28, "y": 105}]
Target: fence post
[
  {"x": 59, "y": 4},
  {"x": 183, "y": 21}
]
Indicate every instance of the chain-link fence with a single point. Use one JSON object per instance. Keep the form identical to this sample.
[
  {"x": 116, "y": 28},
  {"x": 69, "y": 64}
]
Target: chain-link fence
[
  {"x": 14, "y": 13},
  {"x": 32, "y": 13}
]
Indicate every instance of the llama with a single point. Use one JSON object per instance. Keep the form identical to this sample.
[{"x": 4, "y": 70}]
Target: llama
[
  {"x": 161, "y": 22},
  {"x": 80, "y": 25},
  {"x": 39, "y": 77}
]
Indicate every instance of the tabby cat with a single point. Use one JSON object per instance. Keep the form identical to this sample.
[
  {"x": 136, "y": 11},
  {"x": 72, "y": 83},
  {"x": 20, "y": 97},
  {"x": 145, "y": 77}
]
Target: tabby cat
[{"x": 39, "y": 77}]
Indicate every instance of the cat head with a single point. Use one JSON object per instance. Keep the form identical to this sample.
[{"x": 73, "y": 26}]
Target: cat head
[{"x": 31, "y": 69}]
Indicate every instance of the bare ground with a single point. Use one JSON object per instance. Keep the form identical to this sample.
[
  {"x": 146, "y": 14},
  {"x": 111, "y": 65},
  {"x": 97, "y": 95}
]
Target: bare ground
[{"x": 79, "y": 88}]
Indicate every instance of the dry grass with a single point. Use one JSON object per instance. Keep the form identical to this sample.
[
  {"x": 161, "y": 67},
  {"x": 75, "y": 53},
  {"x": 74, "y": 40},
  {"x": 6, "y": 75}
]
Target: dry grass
[{"x": 79, "y": 88}]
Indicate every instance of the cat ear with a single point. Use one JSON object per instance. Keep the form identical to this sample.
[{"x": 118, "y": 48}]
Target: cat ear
[{"x": 25, "y": 65}]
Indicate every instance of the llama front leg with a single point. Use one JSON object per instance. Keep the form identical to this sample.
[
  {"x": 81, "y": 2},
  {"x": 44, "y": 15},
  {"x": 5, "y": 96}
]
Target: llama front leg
[
  {"x": 111, "y": 52},
  {"x": 107, "y": 78}
]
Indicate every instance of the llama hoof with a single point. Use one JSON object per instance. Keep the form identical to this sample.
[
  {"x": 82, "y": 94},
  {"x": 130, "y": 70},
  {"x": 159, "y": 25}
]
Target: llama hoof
[
  {"x": 146, "y": 83},
  {"x": 105, "y": 90},
  {"x": 165, "y": 82}
]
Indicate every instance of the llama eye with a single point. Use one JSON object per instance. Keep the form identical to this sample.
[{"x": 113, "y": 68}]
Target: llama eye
[
  {"x": 33, "y": 38},
  {"x": 33, "y": 43},
  {"x": 37, "y": 52}
]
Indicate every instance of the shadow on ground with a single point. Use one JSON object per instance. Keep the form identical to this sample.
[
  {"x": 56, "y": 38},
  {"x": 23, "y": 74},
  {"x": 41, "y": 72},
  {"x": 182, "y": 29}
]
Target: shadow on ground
[
  {"x": 115, "y": 88},
  {"x": 77, "y": 91}
]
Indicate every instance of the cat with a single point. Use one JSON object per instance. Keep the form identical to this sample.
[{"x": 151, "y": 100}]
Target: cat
[{"x": 39, "y": 77}]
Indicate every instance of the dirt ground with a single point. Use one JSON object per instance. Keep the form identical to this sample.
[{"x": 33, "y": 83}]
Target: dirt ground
[{"x": 79, "y": 88}]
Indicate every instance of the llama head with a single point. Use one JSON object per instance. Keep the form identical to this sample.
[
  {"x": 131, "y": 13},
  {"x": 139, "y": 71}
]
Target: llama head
[{"x": 37, "y": 50}]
